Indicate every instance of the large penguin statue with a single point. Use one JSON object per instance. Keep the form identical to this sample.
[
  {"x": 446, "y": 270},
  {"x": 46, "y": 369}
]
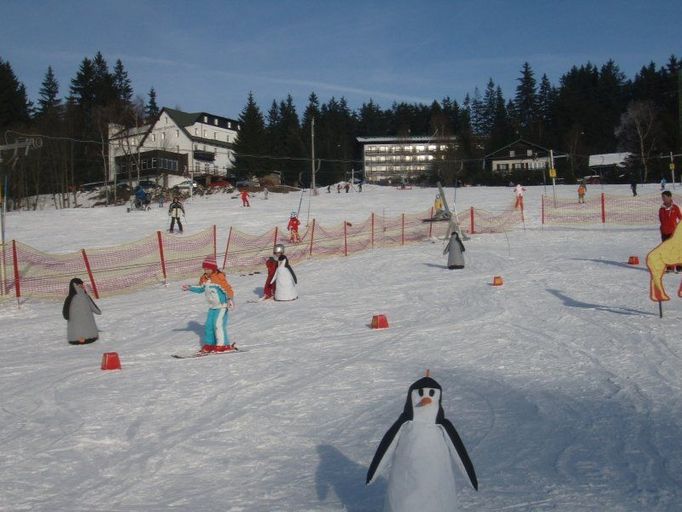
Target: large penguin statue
[
  {"x": 422, "y": 447},
  {"x": 285, "y": 280}
]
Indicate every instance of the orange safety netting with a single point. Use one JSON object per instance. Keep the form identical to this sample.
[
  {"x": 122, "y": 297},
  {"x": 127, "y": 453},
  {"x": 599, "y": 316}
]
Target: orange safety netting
[
  {"x": 603, "y": 208},
  {"x": 160, "y": 257}
]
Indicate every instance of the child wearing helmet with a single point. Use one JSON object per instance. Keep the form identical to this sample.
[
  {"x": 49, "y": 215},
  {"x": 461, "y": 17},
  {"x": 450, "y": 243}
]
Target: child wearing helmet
[
  {"x": 292, "y": 228},
  {"x": 271, "y": 265}
]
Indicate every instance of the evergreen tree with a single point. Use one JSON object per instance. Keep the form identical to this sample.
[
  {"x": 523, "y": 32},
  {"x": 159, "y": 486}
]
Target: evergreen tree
[
  {"x": 14, "y": 105},
  {"x": 49, "y": 103},
  {"x": 372, "y": 121},
  {"x": 525, "y": 103},
  {"x": 122, "y": 85},
  {"x": 251, "y": 141},
  {"x": 151, "y": 109},
  {"x": 546, "y": 100},
  {"x": 83, "y": 86}
]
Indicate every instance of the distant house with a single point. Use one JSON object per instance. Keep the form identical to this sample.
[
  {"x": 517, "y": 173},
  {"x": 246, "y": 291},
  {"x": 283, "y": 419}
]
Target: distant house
[
  {"x": 174, "y": 143},
  {"x": 520, "y": 155}
]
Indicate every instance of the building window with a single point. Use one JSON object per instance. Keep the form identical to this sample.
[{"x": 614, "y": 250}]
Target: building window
[
  {"x": 215, "y": 121},
  {"x": 229, "y": 124},
  {"x": 512, "y": 153},
  {"x": 177, "y": 134},
  {"x": 163, "y": 135},
  {"x": 196, "y": 131},
  {"x": 153, "y": 137},
  {"x": 205, "y": 119},
  {"x": 153, "y": 163}
]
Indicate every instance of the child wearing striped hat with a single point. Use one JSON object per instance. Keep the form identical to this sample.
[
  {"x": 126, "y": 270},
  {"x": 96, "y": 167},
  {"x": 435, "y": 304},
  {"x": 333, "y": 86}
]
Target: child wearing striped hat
[{"x": 219, "y": 295}]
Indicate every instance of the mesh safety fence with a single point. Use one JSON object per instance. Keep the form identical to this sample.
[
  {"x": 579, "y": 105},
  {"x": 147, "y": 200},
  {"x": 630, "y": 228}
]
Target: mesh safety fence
[
  {"x": 602, "y": 208},
  {"x": 164, "y": 257},
  {"x": 106, "y": 271}
]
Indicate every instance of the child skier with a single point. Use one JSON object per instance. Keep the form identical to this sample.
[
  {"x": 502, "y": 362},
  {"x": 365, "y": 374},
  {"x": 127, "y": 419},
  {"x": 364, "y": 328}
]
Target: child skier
[
  {"x": 78, "y": 311},
  {"x": 174, "y": 211},
  {"x": 219, "y": 294},
  {"x": 271, "y": 265},
  {"x": 245, "y": 197},
  {"x": 581, "y": 192},
  {"x": 292, "y": 227},
  {"x": 454, "y": 250}
]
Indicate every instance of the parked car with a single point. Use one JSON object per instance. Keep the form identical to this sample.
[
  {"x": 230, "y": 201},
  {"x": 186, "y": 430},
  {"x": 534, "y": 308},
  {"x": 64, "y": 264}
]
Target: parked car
[{"x": 186, "y": 184}]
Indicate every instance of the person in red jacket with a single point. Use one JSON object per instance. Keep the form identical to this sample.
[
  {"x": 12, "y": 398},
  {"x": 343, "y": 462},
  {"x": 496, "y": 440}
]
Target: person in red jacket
[
  {"x": 670, "y": 216},
  {"x": 245, "y": 197},
  {"x": 292, "y": 228},
  {"x": 271, "y": 265}
]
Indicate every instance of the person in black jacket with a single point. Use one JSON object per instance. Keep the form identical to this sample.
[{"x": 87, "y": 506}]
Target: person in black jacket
[{"x": 174, "y": 211}]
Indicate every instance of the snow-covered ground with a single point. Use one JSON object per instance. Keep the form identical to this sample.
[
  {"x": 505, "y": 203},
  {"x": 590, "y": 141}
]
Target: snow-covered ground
[{"x": 564, "y": 383}]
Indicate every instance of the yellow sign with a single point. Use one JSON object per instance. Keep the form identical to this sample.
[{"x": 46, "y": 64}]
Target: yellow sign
[
  {"x": 672, "y": 166},
  {"x": 552, "y": 173}
]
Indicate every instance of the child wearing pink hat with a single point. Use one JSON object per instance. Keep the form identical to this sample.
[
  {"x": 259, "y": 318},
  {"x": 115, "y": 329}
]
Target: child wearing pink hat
[{"x": 219, "y": 295}]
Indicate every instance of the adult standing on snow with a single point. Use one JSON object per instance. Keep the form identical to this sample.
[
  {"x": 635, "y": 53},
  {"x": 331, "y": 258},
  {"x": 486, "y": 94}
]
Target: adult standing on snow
[
  {"x": 285, "y": 280},
  {"x": 455, "y": 250},
  {"x": 669, "y": 214},
  {"x": 79, "y": 310},
  {"x": 174, "y": 211}
]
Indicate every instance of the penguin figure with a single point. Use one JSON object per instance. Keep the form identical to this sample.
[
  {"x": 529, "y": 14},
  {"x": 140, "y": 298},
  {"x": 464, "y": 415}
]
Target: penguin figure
[
  {"x": 454, "y": 250},
  {"x": 422, "y": 447},
  {"x": 285, "y": 280}
]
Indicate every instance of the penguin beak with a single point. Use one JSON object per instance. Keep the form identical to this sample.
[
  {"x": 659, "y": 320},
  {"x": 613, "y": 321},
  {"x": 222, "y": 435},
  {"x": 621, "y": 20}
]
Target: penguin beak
[{"x": 424, "y": 401}]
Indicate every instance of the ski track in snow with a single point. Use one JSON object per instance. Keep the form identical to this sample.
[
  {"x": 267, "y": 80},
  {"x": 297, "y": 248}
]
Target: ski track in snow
[{"x": 564, "y": 384}]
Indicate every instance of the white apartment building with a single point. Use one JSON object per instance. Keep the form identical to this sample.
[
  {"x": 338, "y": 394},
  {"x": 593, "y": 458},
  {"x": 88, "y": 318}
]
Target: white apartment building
[
  {"x": 176, "y": 142},
  {"x": 402, "y": 158}
]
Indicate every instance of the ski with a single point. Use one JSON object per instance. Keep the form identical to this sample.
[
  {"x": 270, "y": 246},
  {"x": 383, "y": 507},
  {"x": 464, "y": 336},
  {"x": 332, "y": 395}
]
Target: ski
[{"x": 195, "y": 355}]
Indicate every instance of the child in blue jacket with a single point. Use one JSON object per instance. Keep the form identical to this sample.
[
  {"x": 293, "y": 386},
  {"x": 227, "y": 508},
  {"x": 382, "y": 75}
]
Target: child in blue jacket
[{"x": 219, "y": 294}]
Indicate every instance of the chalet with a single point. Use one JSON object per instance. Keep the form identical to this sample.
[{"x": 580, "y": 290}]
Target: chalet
[
  {"x": 175, "y": 142},
  {"x": 520, "y": 155}
]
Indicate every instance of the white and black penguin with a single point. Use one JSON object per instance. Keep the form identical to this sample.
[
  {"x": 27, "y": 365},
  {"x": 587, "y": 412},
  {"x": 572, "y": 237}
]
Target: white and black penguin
[
  {"x": 422, "y": 448},
  {"x": 285, "y": 280}
]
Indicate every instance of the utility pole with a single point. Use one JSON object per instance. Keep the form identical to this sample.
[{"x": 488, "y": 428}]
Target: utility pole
[
  {"x": 552, "y": 174},
  {"x": 312, "y": 155}
]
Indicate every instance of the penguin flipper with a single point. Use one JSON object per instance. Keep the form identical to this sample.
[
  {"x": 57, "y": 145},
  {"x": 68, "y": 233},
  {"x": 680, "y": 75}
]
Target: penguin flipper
[
  {"x": 384, "y": 451},
  {"x": 460, "y": 450}
]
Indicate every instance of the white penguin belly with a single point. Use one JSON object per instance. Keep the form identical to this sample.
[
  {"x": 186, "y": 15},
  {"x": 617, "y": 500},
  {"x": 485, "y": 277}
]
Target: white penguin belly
[{"x": 421, "y": 476}]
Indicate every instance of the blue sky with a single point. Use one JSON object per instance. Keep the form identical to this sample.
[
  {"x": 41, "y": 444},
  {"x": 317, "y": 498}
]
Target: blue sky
[{"x": 208, "y": 55}]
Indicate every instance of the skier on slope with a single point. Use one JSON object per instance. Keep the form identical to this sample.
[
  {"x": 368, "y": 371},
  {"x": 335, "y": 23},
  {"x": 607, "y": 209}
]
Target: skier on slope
[
  {"x": 271, "y": 265},
  {"x": 292, "y": 228},
  {"x": 219, "y": 294},
  {"x": 174, "y": 211}
]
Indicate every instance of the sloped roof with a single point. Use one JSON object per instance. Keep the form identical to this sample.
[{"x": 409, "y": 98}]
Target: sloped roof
[
  {"x": 608, "y": 159},
  {"x": 520, "y": 142}
]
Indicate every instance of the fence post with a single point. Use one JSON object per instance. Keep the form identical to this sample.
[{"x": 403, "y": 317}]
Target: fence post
[
  {"x": 471, "y": 219},
  {"x": 431, "y": 223},
  {"x": 603, "y": 208},
  {"x": 163, "y": 260},
  {"x": 215, "y": 242},
  {"x": 372, "y": 230},
  {"x": 345, "y": 238},
  {"x": 89, "y": 270},
  {"x": 274, "y": 242},
  {"x": 15, "y": 262},
  {"x": 227, "y": 248},
  {"x": 312, "y": 237},
  {"x": 543, "y": 209},
  {"x": 402, "y": 230}
]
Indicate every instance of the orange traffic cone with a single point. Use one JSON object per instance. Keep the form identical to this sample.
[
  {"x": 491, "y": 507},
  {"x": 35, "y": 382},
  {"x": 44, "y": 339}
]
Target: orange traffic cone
[
  {"x": 110, "y": 361},
  {"x": 379, "y": 322},
  {"x": 633, "y": 260},
  {"x": 497, "y": 281}
]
